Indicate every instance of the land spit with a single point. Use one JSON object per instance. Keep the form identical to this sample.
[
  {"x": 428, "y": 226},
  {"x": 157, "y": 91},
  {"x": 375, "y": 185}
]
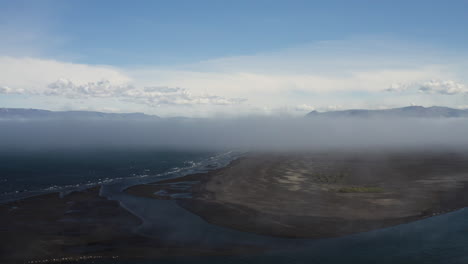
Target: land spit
[{"x": 318, "y": 195}]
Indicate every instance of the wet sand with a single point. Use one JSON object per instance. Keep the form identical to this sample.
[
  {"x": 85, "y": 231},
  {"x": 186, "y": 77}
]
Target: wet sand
[
  {"x": 308, "y": 195},
  {"x": 83, "y": 226}
]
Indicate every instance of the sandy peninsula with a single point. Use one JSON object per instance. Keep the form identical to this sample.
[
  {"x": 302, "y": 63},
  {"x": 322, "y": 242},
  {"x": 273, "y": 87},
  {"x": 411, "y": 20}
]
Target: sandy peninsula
[{"x": 318, "y": 195}]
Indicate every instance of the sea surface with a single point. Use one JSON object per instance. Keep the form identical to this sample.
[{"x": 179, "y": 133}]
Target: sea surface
[
  {"x": 26, "y": 173},
  {"x": 439, "y": 239}
]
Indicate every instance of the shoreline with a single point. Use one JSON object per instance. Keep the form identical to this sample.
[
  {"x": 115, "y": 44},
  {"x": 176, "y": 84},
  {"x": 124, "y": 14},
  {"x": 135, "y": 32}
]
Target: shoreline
[
  {"x": 273, "y": 194},
  {"x": 267, "y": 194},
  {"x": 83, "y": 225},
  {"x": 148, "y": 189}
]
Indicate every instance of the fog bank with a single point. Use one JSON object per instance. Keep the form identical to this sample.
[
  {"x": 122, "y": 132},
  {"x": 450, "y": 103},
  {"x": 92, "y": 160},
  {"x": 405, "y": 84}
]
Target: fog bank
[{"x": 249, "y": 134}]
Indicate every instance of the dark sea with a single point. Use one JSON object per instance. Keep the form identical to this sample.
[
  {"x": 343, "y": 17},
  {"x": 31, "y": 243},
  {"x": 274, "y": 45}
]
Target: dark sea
[
  {"x": 29, "y": 172},
  {"x": 439, "y": 239}
]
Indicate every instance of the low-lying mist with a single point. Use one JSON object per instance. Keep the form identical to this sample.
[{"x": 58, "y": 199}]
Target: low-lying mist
[{"x": 249, "y": 134}]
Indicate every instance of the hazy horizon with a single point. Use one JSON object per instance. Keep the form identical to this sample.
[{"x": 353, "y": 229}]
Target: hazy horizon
[{"x": 248, "y": 134}]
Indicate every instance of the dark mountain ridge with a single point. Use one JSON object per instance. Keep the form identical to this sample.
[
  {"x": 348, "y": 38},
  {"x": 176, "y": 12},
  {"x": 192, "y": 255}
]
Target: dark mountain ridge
[
  {"x": 403, "y": 112},
  {"x": 409, "y": 111},
  {"x": 37, "y": 114}
]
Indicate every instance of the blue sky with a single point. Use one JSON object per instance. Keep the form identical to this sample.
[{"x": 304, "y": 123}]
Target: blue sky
[{"x": 222, "y": 57}]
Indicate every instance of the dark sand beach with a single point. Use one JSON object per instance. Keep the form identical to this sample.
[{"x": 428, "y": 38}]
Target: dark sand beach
[{"x": 321, "y": 195}]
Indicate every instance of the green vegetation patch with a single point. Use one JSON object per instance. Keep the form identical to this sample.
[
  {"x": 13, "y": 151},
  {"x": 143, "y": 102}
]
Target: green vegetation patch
[
  {"x": 360, "y": 189},
  {"x": 329, "y": 178}
]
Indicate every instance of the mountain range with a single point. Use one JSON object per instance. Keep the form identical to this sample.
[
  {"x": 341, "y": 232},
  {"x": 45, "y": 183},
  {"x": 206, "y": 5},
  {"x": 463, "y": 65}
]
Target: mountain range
[
  {"x": 403, "y": 112},
  {"x": 37, "y": 114}
]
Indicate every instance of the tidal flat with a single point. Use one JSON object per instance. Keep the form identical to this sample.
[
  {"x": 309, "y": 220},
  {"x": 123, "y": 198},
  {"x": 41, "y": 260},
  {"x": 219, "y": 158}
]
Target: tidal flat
[{"x": 320, "y": 195}]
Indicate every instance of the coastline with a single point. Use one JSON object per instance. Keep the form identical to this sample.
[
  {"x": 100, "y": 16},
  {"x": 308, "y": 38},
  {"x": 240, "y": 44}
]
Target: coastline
[
  {"x": 82, "y": 225},
  {"x": 195, "y": 182},
  {"x": 267, "y": 194},
  {"x": 277, "y": 195}
]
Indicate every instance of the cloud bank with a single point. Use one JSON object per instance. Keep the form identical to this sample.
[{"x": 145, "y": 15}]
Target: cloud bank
[
  {"x": 443, "y": 87},
  {"x": 38, "y": 77},
  {"x": 152, "y": 96}
]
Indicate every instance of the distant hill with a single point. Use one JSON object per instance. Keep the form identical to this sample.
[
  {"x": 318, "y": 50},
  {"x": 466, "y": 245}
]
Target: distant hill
[
  {"x": 409, "y": 111},
  {"x": 37, "y": 114}
]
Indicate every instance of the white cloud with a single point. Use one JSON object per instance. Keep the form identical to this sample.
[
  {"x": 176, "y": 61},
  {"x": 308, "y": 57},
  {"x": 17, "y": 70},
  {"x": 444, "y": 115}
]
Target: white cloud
[
  {"x": 448, "y": 87},
  {"x": 397, "y": 87},
  {"x": 8, "y": 90},
  {"x": 152, "y": 96},
  {"x": 103, "y": 88},
  {"x": 155, "y": 96},
  {"x": 275, "y": 88},
  {"x": 34, "y": 74},
  {"x": 444, "y": 87}
]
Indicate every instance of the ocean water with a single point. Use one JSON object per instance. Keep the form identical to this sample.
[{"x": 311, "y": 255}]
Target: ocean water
[{"x": 29, "y": 173}]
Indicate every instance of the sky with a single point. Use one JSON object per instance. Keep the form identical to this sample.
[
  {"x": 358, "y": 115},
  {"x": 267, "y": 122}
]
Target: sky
[{"x": 231, "y": 58}]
